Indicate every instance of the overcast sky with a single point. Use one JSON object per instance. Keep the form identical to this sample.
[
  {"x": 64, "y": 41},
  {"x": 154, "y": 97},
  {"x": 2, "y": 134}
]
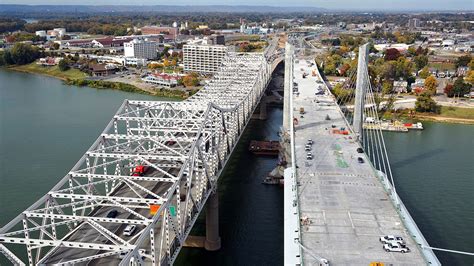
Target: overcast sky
[{"x": 333, "y": 4}]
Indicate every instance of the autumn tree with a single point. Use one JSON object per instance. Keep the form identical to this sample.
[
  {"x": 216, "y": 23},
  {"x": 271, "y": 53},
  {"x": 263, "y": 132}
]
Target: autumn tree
[
  {"x": 191, "y": 80},
  {"x": 391, "y": 54},
  {"x": 424, "y": 73},
  {"x": 431, "y": 84},
  {"x": 449, "y": 90},
  {"x": 470, "y": 77}
]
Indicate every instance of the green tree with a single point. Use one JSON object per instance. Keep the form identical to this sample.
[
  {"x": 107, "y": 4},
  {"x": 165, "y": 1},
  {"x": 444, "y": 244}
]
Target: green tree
[
  {"x": 431, "y": 84},
  {"x": 22, "y": 53},
  {"x": 424, "y": 103},
  {"x": 63, "y": 65},
  {"x": 403, "y": 68},
  {"x": 420, "y": 61},
  {"x": 463, "y": 60},
  {"x": 460, "y": 87},
  {"x": 55, "y": 46}
]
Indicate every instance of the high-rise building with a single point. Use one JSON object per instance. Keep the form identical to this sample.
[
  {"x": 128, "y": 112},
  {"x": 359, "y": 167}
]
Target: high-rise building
[
  {"x": 204, "y": 59},
  {"x": 140, "y": 49},
  {"x": 414, "y": 23}
]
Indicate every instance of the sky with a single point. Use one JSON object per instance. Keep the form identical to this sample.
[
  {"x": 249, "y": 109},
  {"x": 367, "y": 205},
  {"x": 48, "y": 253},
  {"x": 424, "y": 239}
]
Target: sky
[{"x": 467, "y": 5}]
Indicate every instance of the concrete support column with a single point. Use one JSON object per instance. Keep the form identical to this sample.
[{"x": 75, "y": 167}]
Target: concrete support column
[
  {"x": 361, "y": 88},
  {"x": 288, "y": 88},
  {"x": 213, "y": 240},
  {"x": 263, "y": 108}
]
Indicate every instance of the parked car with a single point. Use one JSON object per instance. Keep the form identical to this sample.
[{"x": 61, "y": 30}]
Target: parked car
[
  {"x": 309, "y": 156},
  {"x": 391, "y": 239},
  {"x": 128, "y": 231},
  {"x": 360, "y": 150},
  {"x": 310, "y": 141},
  {"x": 307, "y": 147},
  {"x": 360, "y": 160},
  {"x": 395, "y": 247},
  {"x": 122, "y": 254},
  {"x": 112, "y": 214}
]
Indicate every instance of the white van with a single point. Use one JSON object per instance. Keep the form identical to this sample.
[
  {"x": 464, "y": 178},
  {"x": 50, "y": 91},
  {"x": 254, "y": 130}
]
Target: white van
[{"x": 128, "y": 231}]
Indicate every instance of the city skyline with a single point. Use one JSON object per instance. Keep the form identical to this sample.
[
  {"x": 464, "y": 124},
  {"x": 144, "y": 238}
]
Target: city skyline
[{"x": 402, "y": 5}]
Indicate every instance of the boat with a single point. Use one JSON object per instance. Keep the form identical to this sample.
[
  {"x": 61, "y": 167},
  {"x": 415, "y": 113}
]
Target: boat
[
  {"x": 271, "y": 147},
  {"x": 416, "y": 126}
]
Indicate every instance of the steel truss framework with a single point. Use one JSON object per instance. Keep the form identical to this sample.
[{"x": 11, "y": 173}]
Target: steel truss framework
[{"x": 185, "y": 145}]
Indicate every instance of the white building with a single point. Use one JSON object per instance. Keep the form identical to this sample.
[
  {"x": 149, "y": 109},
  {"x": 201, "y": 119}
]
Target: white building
[
  {"x": 133, "y": 61},
  {"x": 162, "y": 79},
  {"x": 140, "y": 49},
  {"x": 41, "y": 33},
  {"x": 203, "y": 58},
  {"x": 60, "y": 31}
]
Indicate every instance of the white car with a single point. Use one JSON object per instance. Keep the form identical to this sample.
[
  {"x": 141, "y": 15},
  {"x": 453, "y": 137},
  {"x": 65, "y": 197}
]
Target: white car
[
  {"x": 307, "y": 147},
  {"x": 309, "y": 156},
  {"x": 310, "y": 141},
  {"x": 391, "y": 239},
  {"x": 128, "y": 231},
  {"x": 395, "y": 247}
]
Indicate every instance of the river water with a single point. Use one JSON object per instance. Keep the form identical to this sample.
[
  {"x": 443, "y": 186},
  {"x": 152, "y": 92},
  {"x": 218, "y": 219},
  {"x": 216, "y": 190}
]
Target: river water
[{"x": 45, "y": 126}]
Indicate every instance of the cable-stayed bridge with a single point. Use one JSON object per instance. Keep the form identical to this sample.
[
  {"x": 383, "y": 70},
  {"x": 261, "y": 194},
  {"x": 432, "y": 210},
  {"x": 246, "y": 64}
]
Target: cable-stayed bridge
[{"x": 340, "y": 195}]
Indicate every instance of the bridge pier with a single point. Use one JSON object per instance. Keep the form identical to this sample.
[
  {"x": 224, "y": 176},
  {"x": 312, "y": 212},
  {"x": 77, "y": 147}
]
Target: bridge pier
[
  {"x": 263, "y": 108},
  {"x": 213, "y": 240}
]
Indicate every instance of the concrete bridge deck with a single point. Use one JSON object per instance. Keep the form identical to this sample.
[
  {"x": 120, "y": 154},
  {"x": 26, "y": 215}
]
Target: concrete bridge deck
[{"x": 346, "y": 206}]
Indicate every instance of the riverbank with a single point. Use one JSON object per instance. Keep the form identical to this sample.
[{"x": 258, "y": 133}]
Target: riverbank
[
  {"x": 102, "y": 84},
  {"x": 51, "y": 71},
  {"x": 78, "y": 78},
  {"x": 456, "y": 115}
]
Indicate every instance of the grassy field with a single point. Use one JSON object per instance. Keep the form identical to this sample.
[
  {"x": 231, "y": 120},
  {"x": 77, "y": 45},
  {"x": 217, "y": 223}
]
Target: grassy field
[
  {"x": 442, "y": 66},
  {"x": 52, "y": 71},
  {"x": 457, "y": 112},
  {"x": 447, "y": 114}
]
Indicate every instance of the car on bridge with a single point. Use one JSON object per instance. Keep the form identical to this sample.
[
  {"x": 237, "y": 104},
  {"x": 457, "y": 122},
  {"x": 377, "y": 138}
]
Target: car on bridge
[
  {"x": 396, "y": 247},
  {"x": 128, "y": 231},
  {"x": 112, "y": 214},
  {"x": 140, "y": 170},
  {"x": 391, "y": 239},
  {"x": 360, "y": 159}
]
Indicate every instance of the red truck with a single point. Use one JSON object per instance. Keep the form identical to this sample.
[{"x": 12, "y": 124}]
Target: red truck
[{"x": 140, "y": 170}]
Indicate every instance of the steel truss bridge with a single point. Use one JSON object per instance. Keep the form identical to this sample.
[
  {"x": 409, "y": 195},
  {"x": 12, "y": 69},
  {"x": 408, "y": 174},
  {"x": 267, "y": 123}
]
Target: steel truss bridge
[{"x": 185, "y": 146}]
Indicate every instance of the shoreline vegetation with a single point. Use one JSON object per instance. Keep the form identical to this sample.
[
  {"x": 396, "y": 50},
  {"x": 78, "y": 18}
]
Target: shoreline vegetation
[
  {"x": 77, "y": 78},
  {"x": 455, "y": 115}
]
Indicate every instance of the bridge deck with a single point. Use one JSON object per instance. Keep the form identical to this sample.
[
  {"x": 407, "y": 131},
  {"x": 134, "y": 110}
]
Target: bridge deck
[{"x": 347, "y": 206}]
